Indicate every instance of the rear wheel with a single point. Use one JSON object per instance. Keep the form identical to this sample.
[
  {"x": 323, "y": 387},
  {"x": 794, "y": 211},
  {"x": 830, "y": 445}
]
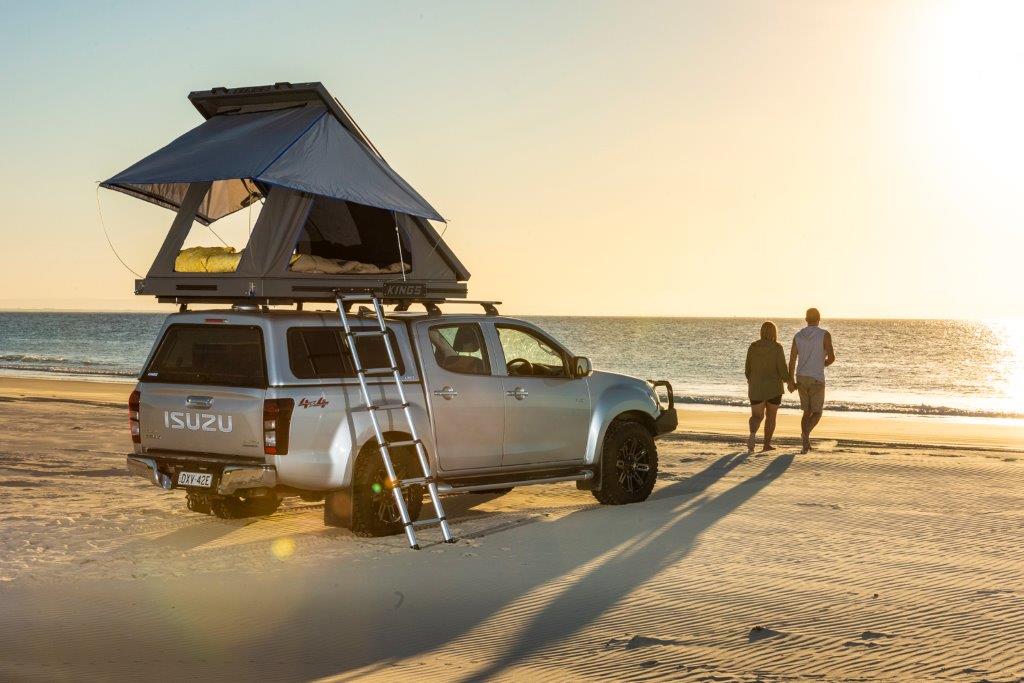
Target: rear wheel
[
  {"x": 374, "y": 508},
  {"x": 629, "y": 464},
  {"x": 197, "y": 502}
]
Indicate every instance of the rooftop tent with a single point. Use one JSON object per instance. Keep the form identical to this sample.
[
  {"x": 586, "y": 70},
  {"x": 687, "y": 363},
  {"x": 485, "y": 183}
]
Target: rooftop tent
[{"x": 334, "y": 209}]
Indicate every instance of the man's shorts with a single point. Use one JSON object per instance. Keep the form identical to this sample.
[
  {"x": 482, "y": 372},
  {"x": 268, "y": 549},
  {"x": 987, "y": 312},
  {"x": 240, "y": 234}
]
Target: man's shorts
[{"x": 812, "y": 393}]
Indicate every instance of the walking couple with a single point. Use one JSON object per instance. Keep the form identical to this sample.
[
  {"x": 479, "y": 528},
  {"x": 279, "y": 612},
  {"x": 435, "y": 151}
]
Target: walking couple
[{"x": 766, "y": 371}]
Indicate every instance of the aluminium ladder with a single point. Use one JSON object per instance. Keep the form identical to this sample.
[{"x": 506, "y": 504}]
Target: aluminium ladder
[{"x": 396, "y": 485}]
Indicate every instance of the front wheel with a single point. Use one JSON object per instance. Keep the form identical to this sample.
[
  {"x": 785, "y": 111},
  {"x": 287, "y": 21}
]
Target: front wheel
[{"x": 629, "y": 464}]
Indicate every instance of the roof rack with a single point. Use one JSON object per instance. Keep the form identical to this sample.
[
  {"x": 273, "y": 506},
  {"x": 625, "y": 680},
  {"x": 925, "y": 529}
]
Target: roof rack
[
  {"x": 490, "y": 307},
  {"x": 430, "y": 304}
]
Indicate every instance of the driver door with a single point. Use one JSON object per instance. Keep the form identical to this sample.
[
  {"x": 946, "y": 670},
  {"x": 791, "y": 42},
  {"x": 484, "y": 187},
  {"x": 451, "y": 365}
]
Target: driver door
[{"x": 547, "y": 411}]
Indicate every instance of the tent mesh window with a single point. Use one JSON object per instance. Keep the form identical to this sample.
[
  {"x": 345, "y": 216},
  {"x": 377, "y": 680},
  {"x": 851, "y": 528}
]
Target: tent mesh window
[{"x": 362, "y": 238}]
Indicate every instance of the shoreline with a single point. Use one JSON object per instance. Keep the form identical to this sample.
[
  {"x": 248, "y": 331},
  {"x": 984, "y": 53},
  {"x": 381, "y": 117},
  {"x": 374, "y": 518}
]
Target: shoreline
[{"x": 718, "y": 423}]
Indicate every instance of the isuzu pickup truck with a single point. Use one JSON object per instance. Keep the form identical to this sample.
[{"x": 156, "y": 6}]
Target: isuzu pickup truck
[{"x": 244, "y": 406}]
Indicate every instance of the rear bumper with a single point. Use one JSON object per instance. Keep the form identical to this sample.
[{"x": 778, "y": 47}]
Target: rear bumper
[
  {"x": 668, "y": 420},
  {"x": 228, "y": 479}
]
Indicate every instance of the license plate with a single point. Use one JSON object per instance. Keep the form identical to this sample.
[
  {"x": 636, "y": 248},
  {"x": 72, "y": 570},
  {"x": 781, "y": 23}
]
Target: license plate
[{"x": 197, "y": 479}]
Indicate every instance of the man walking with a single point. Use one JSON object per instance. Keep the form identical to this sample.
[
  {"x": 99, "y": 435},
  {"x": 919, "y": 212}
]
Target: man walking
[{"x": 812, "y": 352}]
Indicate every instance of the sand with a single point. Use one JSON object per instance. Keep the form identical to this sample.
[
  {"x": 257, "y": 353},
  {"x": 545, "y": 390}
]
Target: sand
[{"x": 893, "y": 551}]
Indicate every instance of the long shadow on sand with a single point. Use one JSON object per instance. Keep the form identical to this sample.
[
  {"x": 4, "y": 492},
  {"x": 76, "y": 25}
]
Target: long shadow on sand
[
  {"x": 348, "y": 618},
  {"x": 628, "y": 547},
  {"x": 585, "y": 600}
]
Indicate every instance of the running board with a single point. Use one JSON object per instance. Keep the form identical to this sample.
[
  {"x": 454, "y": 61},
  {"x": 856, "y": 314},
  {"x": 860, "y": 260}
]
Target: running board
[{"x": 448, "y": 488}]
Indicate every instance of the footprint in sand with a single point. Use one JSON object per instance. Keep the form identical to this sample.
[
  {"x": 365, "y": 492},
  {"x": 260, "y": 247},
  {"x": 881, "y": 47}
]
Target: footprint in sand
[
  {"x": 874, "y": 635},
  {"x": 832, "y": 506},
  {"x": 762, "y": 633},
  {"x": 636, "y": 642}
]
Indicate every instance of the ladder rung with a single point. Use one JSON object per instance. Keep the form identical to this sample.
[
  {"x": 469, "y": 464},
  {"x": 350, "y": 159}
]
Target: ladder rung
[
  {"x": 415, "y": 481},
  {"x": 401, "y": 444},
  {"x": 387, "y": 406},
  {"x": 377, "y": 372},
  {"x": 366, "y": 333},
  {"x": 428, "y": 522}
]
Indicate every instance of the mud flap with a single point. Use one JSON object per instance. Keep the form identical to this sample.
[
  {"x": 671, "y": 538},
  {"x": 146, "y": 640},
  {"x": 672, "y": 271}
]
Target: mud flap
[
  {"x": 592, "y": 484},
  {"x": 338, "y": 508}
]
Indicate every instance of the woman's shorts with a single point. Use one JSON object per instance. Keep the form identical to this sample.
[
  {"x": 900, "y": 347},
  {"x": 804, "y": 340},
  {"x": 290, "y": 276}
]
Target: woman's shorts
[{"x": 777, "y": 401}]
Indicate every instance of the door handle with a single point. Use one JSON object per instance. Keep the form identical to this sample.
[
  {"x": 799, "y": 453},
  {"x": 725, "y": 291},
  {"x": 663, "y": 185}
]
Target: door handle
[
  {"x": 199, "y": 401},
  {"x": 448, "y": 393},
  {"x": 518, "y": 393}
]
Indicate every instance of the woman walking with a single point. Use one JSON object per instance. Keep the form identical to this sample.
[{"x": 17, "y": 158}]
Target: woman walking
[{"x": 766, "y": 371}]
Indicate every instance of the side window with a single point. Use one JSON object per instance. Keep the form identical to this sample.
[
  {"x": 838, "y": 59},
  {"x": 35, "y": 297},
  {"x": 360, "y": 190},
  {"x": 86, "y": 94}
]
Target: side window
[
  {"x": 322, "y": 353},
  {"x": 529, "y": 355},
  {"x": 460, "y": 348}
]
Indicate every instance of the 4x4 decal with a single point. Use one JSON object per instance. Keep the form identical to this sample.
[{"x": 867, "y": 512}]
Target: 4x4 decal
[{"x": 319, "y": 403}]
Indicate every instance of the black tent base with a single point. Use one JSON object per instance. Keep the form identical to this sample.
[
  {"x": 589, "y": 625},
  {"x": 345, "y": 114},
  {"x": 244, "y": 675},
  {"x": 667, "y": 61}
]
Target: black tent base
[{"x": 233, "y": 290}]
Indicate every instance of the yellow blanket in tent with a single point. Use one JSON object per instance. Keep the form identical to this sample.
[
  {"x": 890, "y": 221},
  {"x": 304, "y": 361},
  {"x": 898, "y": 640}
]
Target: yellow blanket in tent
[{"x": 207, "y": 260}]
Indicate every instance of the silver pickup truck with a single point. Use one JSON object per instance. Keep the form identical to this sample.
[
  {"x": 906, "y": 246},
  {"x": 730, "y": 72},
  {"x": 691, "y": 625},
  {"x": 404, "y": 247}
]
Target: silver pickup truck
[{"x": 242, "y": 407}]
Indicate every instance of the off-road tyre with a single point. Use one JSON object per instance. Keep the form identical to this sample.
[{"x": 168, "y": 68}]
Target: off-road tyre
[
  {"x": 374, "y": 510},
  {"x": 235, "y": 507},
  {"x": 629, "y": 464}
]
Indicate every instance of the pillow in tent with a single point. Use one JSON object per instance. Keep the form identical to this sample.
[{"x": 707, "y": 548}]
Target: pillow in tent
[
  {"x": 307, "y": 263},
  {"x": 194, "y": 259}
]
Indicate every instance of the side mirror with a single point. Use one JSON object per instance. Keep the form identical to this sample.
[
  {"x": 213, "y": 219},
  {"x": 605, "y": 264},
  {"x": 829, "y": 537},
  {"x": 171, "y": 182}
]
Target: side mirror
[{"x": 582, "y": 367}]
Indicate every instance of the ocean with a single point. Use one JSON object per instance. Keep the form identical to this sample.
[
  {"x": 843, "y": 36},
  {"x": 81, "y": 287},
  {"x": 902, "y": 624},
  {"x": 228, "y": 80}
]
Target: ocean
[{"x": 913, "y": 367}]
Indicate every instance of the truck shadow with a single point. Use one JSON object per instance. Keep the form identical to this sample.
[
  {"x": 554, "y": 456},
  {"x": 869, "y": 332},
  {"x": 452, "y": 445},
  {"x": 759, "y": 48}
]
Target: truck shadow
[
  {"x": 584, "y": 600},
  {"x": 569, "y": 587}
]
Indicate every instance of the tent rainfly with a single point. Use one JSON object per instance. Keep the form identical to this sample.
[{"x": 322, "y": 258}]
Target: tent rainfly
[{"x": 336, "y": 216}]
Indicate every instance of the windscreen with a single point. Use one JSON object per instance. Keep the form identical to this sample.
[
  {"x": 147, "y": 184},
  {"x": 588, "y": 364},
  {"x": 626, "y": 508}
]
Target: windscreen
[{"x": 216, "y": 355}]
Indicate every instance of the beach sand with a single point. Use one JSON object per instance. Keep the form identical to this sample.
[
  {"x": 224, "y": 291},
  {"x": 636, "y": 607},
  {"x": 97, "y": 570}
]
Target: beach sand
[{"x": 893, "y": 551}]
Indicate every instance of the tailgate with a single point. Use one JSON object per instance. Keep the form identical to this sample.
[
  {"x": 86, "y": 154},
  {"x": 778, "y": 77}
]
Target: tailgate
[
  {"x": 202, "y": 419},
  {"x": 203, "y": 391}
]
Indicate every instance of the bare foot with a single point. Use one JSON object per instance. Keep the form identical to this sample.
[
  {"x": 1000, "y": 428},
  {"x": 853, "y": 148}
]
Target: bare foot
[
  {"x": 767, "y": 448},
  {"x": 750, "y": 444},
  {"x": 806, "y": 447}
]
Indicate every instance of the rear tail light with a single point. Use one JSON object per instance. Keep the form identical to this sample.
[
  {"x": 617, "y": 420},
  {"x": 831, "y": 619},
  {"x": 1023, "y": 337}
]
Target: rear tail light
[
  {"x": 277, "y": 418},
  {"x": 133, "y": 416}
]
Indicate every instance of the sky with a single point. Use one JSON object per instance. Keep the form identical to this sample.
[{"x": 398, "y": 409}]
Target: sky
[{"x": 718, "y": 158}]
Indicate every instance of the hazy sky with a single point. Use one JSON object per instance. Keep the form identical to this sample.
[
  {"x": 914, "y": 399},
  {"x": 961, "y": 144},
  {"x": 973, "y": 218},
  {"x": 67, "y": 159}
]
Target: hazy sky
[{"x": 677, "y": 158}]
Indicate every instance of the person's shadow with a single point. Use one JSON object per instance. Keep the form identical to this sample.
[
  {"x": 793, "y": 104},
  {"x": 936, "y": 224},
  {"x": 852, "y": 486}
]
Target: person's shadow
[{"x": 648, "y": 553}]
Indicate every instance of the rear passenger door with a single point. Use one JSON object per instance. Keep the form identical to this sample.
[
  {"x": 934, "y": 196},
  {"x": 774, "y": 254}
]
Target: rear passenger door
[{"x": 465, "y": 397}]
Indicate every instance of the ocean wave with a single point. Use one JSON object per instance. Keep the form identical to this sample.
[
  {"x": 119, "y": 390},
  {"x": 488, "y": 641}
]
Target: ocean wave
[
  {"x": 846, "y": 406},
  {"x": 68, "y": 370},
  {"x": 34, "y": 358}
]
